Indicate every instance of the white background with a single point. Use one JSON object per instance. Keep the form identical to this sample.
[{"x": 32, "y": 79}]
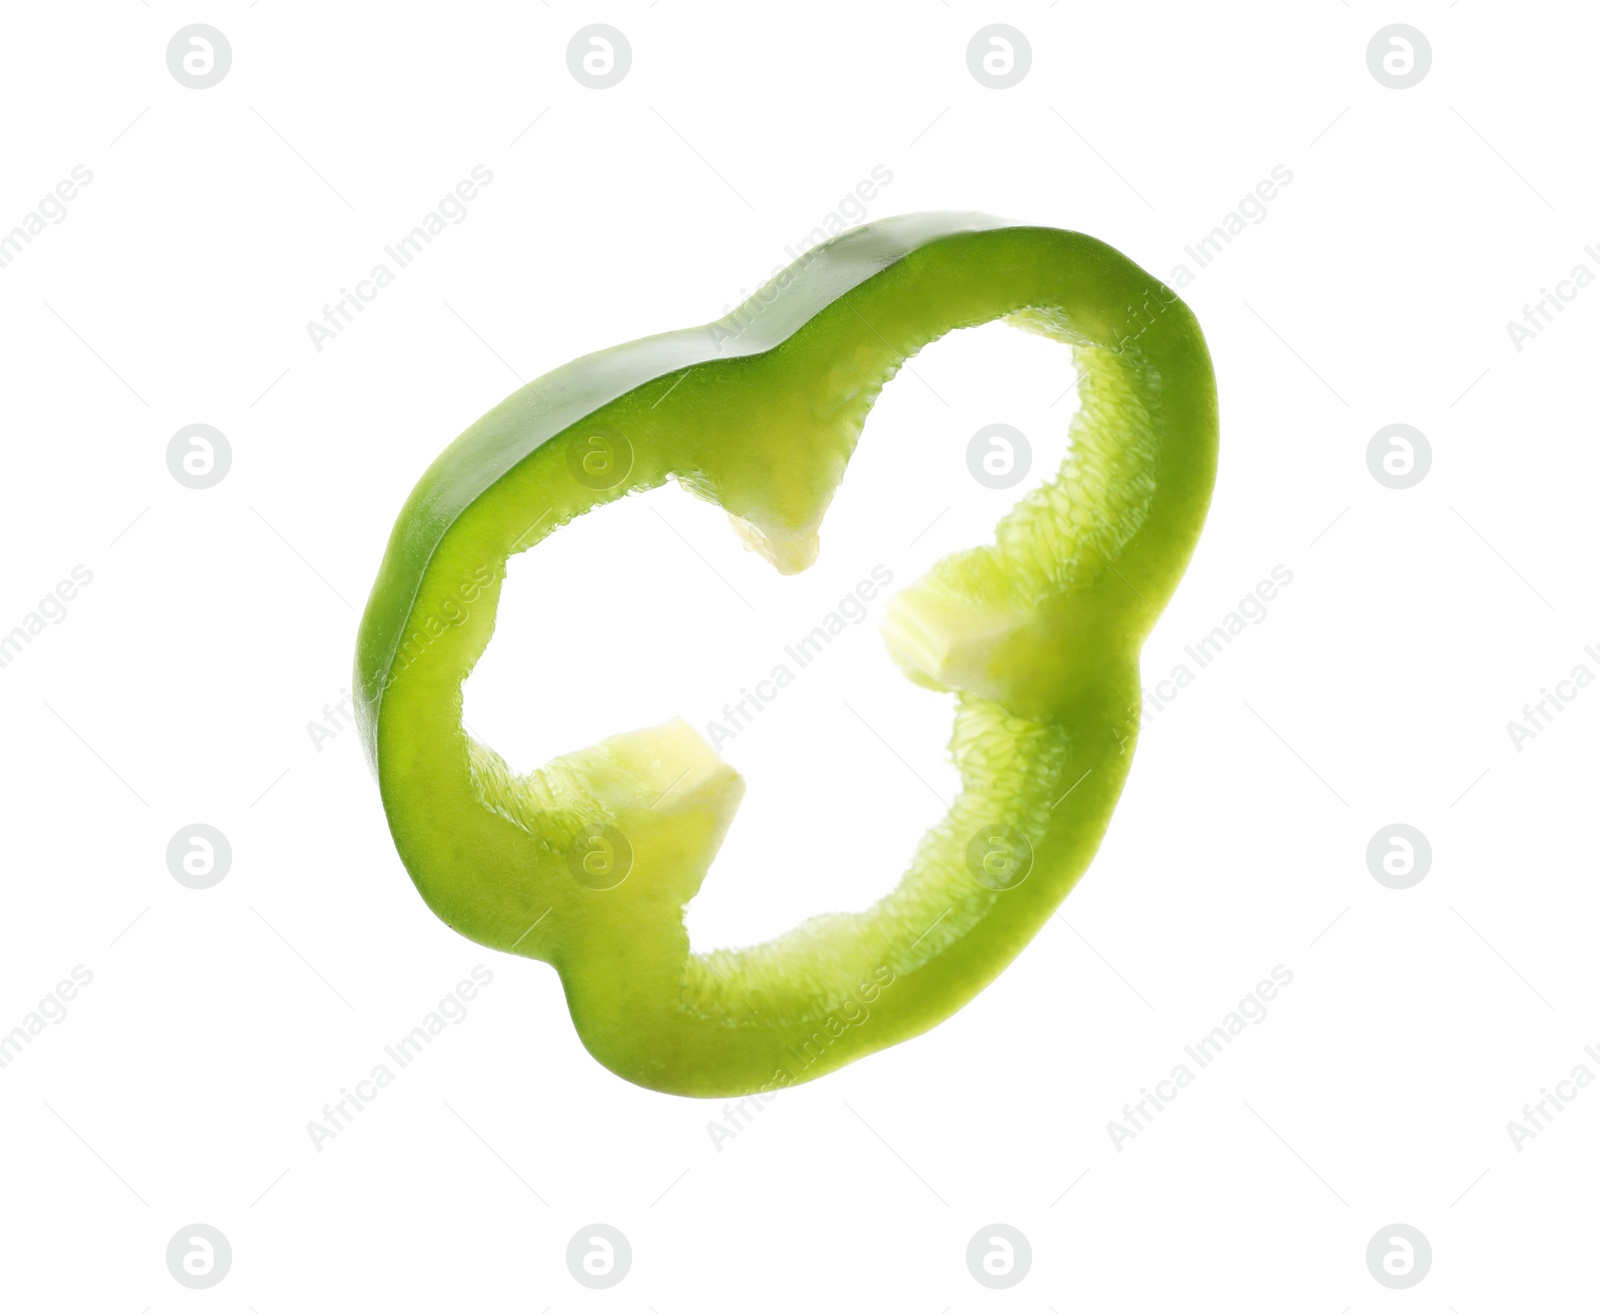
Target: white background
[{"x": 220, "y": 622}]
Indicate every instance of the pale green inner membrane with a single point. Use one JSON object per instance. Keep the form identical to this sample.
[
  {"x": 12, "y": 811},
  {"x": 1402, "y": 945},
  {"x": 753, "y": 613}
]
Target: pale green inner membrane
[{"x": 1010, "y": 766}]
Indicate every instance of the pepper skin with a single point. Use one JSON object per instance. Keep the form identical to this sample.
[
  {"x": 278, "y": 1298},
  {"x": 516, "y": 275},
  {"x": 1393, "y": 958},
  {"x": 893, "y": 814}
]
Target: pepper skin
[{"x": 588, "y": 862}]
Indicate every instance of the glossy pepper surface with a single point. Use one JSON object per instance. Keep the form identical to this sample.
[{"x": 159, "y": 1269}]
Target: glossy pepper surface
[{"x": 588, "y": 862}]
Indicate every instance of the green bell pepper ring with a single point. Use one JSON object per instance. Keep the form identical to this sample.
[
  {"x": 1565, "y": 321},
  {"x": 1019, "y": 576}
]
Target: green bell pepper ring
[{"x": 589, "y": 862}]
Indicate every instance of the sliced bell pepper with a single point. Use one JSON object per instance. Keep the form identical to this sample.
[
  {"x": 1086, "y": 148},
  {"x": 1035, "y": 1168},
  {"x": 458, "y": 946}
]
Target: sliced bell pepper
[{"x": 589, "y": 862}]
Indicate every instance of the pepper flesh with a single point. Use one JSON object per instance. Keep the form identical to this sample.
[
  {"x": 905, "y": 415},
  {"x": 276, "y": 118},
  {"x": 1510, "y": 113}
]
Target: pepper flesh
[{"x": 1038, "y": 634}]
